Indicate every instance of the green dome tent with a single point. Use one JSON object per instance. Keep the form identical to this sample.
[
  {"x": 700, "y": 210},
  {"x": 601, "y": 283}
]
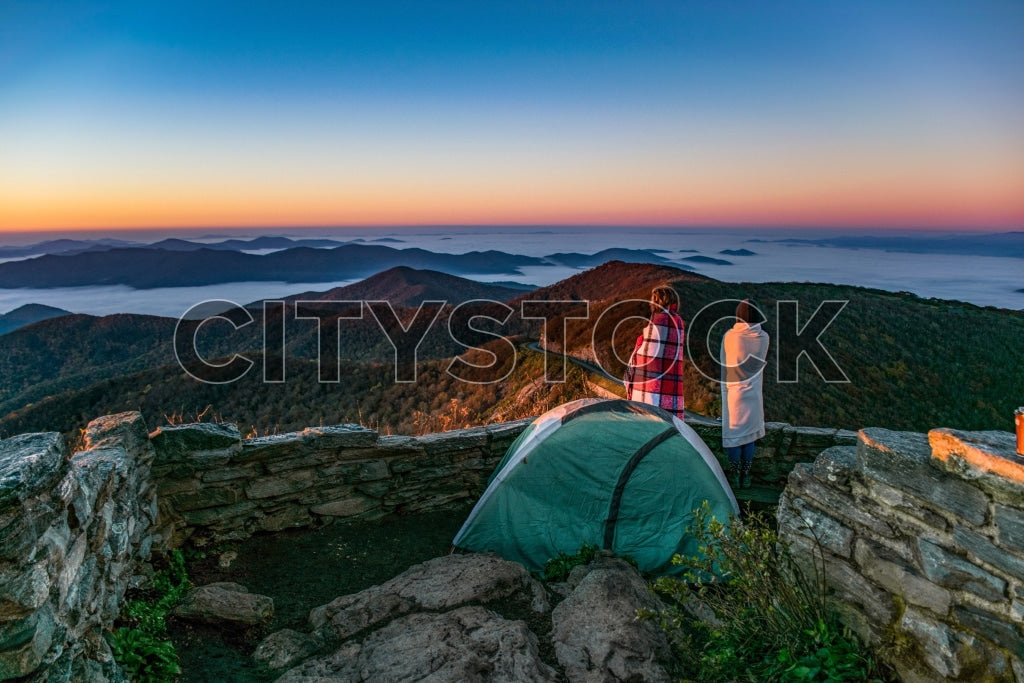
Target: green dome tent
[{"x": 621, "y": 475}]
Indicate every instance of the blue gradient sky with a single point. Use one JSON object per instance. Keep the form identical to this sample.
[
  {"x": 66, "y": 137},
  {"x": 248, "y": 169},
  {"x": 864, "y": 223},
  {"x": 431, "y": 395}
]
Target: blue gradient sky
[{"x": 117, "y": 115}]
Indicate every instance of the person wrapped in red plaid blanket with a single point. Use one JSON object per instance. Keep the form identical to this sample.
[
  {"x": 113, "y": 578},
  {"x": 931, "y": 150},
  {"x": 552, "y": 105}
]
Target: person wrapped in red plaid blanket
[{"x": 655, "y": 371}]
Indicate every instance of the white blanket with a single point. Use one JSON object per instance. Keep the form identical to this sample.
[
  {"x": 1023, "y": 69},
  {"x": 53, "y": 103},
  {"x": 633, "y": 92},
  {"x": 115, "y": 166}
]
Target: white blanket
[{"x": 744, "y": 356}]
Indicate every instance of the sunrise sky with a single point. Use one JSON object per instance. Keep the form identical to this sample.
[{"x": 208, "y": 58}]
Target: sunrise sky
[{"x": 870, "y": 114}]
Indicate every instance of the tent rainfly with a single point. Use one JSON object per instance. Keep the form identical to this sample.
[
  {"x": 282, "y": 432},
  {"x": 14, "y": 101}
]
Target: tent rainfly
[{"x": 621, "y": 475}]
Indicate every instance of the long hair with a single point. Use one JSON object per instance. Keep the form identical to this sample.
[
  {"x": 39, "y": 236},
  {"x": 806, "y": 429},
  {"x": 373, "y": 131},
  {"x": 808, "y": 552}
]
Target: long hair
[
  {"x": 749, "y": 312},
  {"x": 664, "y": 297}
]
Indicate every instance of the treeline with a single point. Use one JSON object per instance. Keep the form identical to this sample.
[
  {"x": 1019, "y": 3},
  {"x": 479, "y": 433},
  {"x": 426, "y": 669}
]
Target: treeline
[{"x": 368, "y": 394}]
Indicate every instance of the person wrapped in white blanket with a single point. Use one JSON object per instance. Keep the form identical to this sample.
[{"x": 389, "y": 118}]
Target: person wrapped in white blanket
[{"x": 744, "y": 356}]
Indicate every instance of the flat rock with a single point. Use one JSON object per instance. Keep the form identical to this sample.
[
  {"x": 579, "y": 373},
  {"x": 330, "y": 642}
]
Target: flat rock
[
  {"x": 292, "y": 444},
  {"x": 836, "y": 464},
  {"x": 454, "y": 441},
  {"x": 173, "y": 443},
  {"x": 464, "y": 645},
  {"x": 341, "y": 436},
  {"x": 217, "y": 603},
  {"x": 596, "y": 633},
  {"x": 988, "y": 458},
  {"x": 438, "y": 584},
  {"x": 903, "y": 460}
]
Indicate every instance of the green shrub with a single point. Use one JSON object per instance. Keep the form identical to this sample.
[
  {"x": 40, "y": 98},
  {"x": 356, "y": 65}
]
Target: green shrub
[
  {"x": 171, "y": 584},
  {"x": 764, "y": 618},
  {"x": 141, "y": 648},
  {"x": 143, "y": 656},
  {"x": 559, "y": 566}
]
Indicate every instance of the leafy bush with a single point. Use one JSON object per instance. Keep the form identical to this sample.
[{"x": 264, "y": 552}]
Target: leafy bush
[
  {"x": 764, "y": 619},
  {"x": 558, "y": 567},
  {"x": 143, "y": 656},
  {"x": 141, "y": 648}
]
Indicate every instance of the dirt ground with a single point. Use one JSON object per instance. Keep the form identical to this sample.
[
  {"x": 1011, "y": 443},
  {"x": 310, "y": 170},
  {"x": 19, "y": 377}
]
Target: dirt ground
[{"x": 301, "y": 570}]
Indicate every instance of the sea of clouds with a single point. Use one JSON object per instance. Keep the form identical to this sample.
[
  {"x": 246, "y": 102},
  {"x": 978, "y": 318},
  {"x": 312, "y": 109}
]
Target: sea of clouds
[{"x": 981, "y": 280}]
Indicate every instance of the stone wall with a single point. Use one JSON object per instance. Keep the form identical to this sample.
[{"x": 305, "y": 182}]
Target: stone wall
[
  {"x": 922, "y": 539},
  {"x": 214, "y": 485},
  {"x": 783, "y": 446},
  {"x": 72, "y": 533}
]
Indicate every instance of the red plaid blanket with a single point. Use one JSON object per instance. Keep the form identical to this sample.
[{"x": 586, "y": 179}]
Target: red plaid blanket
[{"x": 655, "y": 373}]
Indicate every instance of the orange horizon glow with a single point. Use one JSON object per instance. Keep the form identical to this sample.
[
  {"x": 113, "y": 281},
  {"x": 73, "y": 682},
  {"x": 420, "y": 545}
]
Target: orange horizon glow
[
  {"x": 807, "y": 187},
  {"x": 977, "y": 209}
]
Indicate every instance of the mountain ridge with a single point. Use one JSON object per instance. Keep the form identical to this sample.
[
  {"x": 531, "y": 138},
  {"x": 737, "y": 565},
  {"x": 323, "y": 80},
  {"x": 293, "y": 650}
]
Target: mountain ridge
[
  {"x": 147, "y": 268},
  {"x": 405, "y": 286},
  {"x": 26, "y": 315}
]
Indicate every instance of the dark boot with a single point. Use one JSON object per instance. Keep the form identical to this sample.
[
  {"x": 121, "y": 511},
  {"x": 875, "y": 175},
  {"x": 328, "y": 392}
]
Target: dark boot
[
  {"x": 746, "y": 480},
  {"x": 733, "y": 473}
]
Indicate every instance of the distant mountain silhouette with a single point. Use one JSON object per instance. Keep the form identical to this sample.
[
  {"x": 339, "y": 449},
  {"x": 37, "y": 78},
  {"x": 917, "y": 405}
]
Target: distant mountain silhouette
[
  {"x": 1007, "y": 244},
  {"x": 61, "y": 246},
  {"x": 590, "y": 260},
  {"x": 738, "y": 252},
  {"x": 708, "y": 259},
  {"x": 28, "y": 314},
  {"x": 404, "y": 286},
  {"x": 267, "y": 242},
  {"x": 146, "y": 268},
  {"x": 75, "y": 351}
]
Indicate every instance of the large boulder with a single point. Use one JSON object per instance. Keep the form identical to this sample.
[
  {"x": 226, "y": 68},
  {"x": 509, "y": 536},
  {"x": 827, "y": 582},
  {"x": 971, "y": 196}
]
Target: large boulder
[
  {"x": 596, "y": 633},
  {"x": 435, "y": 585},
  {"x": 464, "y": 645},
  {"x": 438, "y": 585},
  {"x": 219, "y": 603}
]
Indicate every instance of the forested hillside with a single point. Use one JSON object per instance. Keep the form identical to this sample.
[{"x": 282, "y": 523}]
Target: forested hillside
[
  {"x": 367, "y": 393},
  {"x": 910, "y": 363}
]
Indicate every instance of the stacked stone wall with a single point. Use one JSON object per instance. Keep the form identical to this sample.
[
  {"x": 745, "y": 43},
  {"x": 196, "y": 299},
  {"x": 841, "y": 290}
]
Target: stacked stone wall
[
  {"x": 214, "y": 485},
  {"x": 922, "y": 542},
  {"x": 73, "y": 531}
]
